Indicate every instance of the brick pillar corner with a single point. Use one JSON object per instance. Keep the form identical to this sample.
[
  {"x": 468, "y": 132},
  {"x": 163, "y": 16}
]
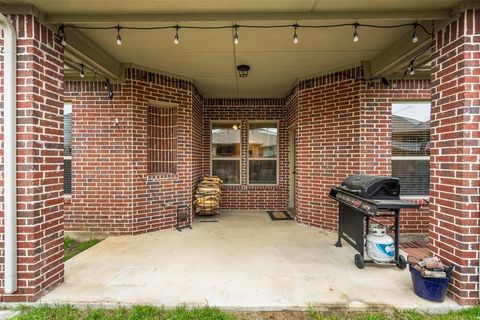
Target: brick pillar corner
[
  {"x": 39, "y": 161},
  {"x": 455, "y": 153}
]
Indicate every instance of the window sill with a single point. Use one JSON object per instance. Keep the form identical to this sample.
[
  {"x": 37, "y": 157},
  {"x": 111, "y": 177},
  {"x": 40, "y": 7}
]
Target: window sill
[
  {"x": 420, "y": 200},
  {"x": 250, "y": 186},
  {"x": 67, "y": 198},
  {"x": 161, "y": 176},
  {"x": 414, "y": 197}
]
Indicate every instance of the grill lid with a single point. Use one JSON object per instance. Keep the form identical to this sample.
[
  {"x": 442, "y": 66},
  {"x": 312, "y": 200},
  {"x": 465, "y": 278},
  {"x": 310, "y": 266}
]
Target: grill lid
[{"x": 372, "y": 187}]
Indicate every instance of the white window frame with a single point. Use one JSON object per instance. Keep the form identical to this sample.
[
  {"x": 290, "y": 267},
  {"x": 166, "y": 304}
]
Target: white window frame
[
  {"x": 277, "y": 158},
  {"x": 406, "y": 158},
  {"x": 239, "y": 158}
]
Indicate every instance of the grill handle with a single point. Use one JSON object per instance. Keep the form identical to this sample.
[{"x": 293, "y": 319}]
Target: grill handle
[{"x": 349, "y": 190}]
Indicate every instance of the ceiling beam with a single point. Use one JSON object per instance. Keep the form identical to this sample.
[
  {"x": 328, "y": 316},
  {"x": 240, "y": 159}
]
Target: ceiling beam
[
  {"x": 399, "y": 54},
  {"x": 26, "y": 9},
  {"x": 79, "y": 47},
  {"x": 83, "y": 49},
  {"x": 249, "y": 16}
]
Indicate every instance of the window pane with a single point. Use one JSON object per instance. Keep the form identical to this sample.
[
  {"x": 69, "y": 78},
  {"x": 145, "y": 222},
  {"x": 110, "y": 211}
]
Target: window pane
[
  {"x": 227, "y": 170},
  {"x": 262, "y": 140},
  {"x": 225, "y": 140},
  {"x": 67, "y": 176},
  {"x": 411, "y": 129},
  {"x": 414, "y": 176},
  {"x": 67, "y": 129},
  {"x": 262, "y": 171}
]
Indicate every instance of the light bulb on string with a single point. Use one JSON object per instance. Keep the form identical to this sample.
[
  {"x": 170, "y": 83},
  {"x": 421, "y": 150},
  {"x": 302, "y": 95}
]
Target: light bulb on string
[
  {"x": 355, "y": 33},
  {"x": 176, "y": 39},
  {"x": 412, "y": 69},
  {"x": 295, "y": 35},
  {"x": 61, "y": 33},
  {"x": 235, "y": 36},
  {"x": 82, "y": 71},
  {"x": 415, "y": 36},
  {"x": 119, "y": 37}
]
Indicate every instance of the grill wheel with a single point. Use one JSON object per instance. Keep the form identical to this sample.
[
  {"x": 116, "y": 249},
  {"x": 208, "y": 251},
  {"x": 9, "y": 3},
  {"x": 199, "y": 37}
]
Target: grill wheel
[
  {"x": 402, "y": 262},
  {"x": 359, "y": 262}
]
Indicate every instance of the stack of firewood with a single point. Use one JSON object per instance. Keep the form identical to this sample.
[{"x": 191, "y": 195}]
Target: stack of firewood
[
  {"x": 431, "y": 267},
  {"x": 207, "y": 196}
]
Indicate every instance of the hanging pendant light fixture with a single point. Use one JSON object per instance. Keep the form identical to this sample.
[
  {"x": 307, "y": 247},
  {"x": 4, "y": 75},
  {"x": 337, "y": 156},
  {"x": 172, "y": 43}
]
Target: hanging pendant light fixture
[{"x": 243, "y": 70}]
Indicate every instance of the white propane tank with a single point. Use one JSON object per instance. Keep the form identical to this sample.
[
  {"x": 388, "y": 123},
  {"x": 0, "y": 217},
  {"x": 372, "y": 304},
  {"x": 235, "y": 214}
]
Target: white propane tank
[{"x": 380, "y": 246}]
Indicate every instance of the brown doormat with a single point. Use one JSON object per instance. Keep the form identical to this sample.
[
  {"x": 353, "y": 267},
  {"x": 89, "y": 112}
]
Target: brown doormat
[{"x": 279, "y": 215}]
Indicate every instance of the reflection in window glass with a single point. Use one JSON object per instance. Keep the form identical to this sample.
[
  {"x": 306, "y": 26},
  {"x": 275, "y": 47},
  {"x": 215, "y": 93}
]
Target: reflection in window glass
[
  {"x": 411, "y": 146},
  {"x": 411, "y": 129},
  {"x": 262, "y": 140},
  {"x": 226, "y": 139},
  {"x": 227, "y": 170},
  {"x": 262, "y": 171},
  {"x": 262, "y": 153}
]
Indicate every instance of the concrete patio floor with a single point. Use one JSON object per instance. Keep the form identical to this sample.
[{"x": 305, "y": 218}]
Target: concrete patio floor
[{"x": 244, "y": 261}]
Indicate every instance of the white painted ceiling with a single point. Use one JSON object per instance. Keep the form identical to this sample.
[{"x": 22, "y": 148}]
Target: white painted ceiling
[{"x": 209, "y": 57}]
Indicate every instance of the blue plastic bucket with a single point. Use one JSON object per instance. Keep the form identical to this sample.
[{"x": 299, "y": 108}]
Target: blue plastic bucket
[{"x": 432, "y": 289}]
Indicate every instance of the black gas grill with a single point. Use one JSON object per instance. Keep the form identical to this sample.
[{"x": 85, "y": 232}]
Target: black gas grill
[{"x": 362, "y": 198}]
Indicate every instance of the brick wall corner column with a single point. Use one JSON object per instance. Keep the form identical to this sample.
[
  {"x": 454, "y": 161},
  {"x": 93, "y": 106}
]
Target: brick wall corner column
[
  {"x": 39, "y": 161},
  {"x": 455, "y": 153}
]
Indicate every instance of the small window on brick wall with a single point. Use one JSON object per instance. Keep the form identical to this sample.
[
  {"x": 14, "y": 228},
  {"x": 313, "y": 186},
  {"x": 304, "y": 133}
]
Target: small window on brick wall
[
  {"x": 67, "y": 149},
  {"x": 411, "y": 147},
  {"x": 162, "y": 140},
  {"x": 226, "y": 151},
  {"x": 262, "y": 153}
]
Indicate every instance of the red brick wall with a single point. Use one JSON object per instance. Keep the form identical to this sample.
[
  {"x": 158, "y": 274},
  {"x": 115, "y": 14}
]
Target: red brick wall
[
  {"x": 328, "y": 134},
  {"x": 344, "y": 127},
  {"x": 156, "y": 197},
  {"x": 101, "y": 198},
  {"x": 39, "y": 160},
  {"x": 245, "y": 196},
  {"x": 339, "y": 123},
  {"x": 112, "y": 190},
  {"x": 376, "y": 137},
  {"x": 455, "y": 152}
]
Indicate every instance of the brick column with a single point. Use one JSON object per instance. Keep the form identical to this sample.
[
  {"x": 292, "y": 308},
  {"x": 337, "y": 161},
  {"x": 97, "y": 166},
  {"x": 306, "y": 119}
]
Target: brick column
[
  {"x": 39, "y": 160},
  {"x": 455, "y": 152}
]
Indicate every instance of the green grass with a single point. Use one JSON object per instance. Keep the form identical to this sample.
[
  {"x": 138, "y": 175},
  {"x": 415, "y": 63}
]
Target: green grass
[
  {"x": 73, "y": 247},
  {"x": 68, "y": 312},
  {"x": 466, "y": 314}
]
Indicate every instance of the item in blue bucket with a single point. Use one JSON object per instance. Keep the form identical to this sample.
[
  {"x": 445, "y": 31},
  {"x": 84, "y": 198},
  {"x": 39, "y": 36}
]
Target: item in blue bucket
[{"x": 433, "y": 289}]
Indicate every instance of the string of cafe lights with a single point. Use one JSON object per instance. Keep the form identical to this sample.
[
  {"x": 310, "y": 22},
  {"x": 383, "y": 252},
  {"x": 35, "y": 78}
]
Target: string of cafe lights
[
  {"x": 236, "y": 38},
  {"x": 411, "y": 66},
  {"x": 235, "y": 27},
  {"x": 107, "y": 84}
]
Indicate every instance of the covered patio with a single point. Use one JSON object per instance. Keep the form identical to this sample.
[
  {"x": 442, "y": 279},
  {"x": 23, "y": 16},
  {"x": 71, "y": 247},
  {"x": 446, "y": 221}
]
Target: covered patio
[
  {"x": 113, "y": 111},
  {"x": 243, "y": 261}
]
